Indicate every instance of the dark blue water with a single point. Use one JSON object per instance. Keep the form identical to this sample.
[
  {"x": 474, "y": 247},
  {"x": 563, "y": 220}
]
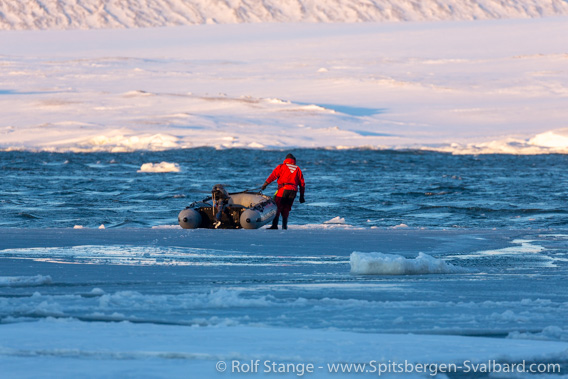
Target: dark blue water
[{"x": 367, "y": 188}]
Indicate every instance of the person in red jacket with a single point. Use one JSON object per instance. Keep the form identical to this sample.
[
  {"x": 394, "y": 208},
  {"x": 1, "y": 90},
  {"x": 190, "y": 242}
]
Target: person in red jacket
[{"x": 290, "y": 178}]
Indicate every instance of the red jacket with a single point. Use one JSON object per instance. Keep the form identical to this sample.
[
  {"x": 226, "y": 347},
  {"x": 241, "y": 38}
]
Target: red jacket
[{"x": 289, "y": 177}]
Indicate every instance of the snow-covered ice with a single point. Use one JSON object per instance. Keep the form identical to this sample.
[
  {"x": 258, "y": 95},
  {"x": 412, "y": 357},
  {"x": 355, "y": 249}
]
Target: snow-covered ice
[
  {"x": 392, "y": 264},
  {"x": 160, "y": 167},
  {"x": 461, "y": 87},
  {"x": 65, "y": 347},
  {"x": 168, "y": 302}
]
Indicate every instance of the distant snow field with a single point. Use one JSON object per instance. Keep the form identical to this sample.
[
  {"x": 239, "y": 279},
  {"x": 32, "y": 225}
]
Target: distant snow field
[
  {"x": 461, "y": 87},
  {"x": 71, "y": 14}
]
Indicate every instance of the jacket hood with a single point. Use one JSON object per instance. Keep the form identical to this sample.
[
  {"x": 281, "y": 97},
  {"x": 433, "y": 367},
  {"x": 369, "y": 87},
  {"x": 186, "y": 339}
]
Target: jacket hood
[{"x": 289, "y": 160}]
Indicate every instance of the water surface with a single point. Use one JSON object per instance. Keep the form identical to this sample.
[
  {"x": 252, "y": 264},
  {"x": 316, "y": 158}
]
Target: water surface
[{"x": 367, "y": 188}]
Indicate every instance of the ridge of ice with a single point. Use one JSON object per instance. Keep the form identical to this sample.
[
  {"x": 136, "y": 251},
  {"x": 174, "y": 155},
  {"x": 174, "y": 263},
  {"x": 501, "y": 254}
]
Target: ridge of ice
[
  {"x": 215, "y": 299},
  {"x": 555, "y": 139},
  {"x": 550, "y": 333},
  {"x": 393, "y": 264},
  {"x": 335, "y": 220},
  {"x": 24, "y": 281},
  {"x": 550, "y": 142}
]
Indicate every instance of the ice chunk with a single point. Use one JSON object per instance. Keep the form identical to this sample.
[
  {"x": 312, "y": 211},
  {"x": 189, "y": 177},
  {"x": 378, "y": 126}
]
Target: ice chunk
[
  {"x": 550, "y": 333},
  {"x": 335, "y": 220},
  {"x": 392, "y": 264},
  {"x": 24, "y": 281},
  {"x": 160, "y": 167},
  {"x": 399, "y": 226},
  {"x": 166, "y": 227},
  {"x": 552, "y": 139}
]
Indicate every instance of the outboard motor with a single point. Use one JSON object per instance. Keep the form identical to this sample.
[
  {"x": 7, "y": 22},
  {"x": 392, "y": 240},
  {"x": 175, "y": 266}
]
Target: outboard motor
[{"x": 219, "y": 192}]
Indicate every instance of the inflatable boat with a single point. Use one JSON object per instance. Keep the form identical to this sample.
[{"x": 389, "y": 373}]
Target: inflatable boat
[{"x": 246, "y": 210}]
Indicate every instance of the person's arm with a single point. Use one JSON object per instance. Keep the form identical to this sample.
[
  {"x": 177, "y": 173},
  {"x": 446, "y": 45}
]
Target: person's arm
[{"x": 271, "y": 178}]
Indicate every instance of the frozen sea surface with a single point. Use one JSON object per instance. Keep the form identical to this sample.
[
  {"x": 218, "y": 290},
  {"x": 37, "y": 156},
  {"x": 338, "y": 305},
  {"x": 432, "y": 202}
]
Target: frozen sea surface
[
  {"x": 366, "y": 188},
  {"x": 166, "y": 302}
]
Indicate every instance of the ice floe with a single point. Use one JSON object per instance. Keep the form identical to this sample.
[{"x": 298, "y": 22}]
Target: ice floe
[
  {"x": 392, "y": 264},
  {"x": 24, "y": 281},
  {"x": 160, "y": 167}
]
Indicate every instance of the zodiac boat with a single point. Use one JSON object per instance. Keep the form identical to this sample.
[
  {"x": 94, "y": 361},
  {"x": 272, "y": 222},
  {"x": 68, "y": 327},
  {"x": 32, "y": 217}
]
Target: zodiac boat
[{"x": 247, "y": 210}]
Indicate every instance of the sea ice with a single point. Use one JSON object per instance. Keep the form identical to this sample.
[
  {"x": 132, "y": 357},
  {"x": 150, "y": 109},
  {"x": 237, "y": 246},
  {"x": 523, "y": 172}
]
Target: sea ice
[
  {"x": 24, "y": 281},
  {"x": 160, "y": 167},
  {"x": 392, "y": 264}
]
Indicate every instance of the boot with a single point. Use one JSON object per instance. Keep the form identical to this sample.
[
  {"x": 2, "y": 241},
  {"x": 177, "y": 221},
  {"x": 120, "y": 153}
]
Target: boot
[
  {"x": 275, "y": 223},
  {"x": 284, "y": 222}
]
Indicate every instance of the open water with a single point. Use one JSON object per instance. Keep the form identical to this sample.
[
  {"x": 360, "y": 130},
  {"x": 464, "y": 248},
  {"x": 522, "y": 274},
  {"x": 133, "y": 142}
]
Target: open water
[{"x": 367, "y": 188}]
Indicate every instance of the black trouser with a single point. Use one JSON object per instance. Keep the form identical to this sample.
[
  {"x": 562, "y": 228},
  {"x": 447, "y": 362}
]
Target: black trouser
[{"x": 284, "y": 206}]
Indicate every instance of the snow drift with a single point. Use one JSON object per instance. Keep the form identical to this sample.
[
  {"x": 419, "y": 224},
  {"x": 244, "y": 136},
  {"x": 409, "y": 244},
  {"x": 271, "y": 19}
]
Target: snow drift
[
  {"x": 89, "y": 14},
  {"x": 392, "y": 264}
]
